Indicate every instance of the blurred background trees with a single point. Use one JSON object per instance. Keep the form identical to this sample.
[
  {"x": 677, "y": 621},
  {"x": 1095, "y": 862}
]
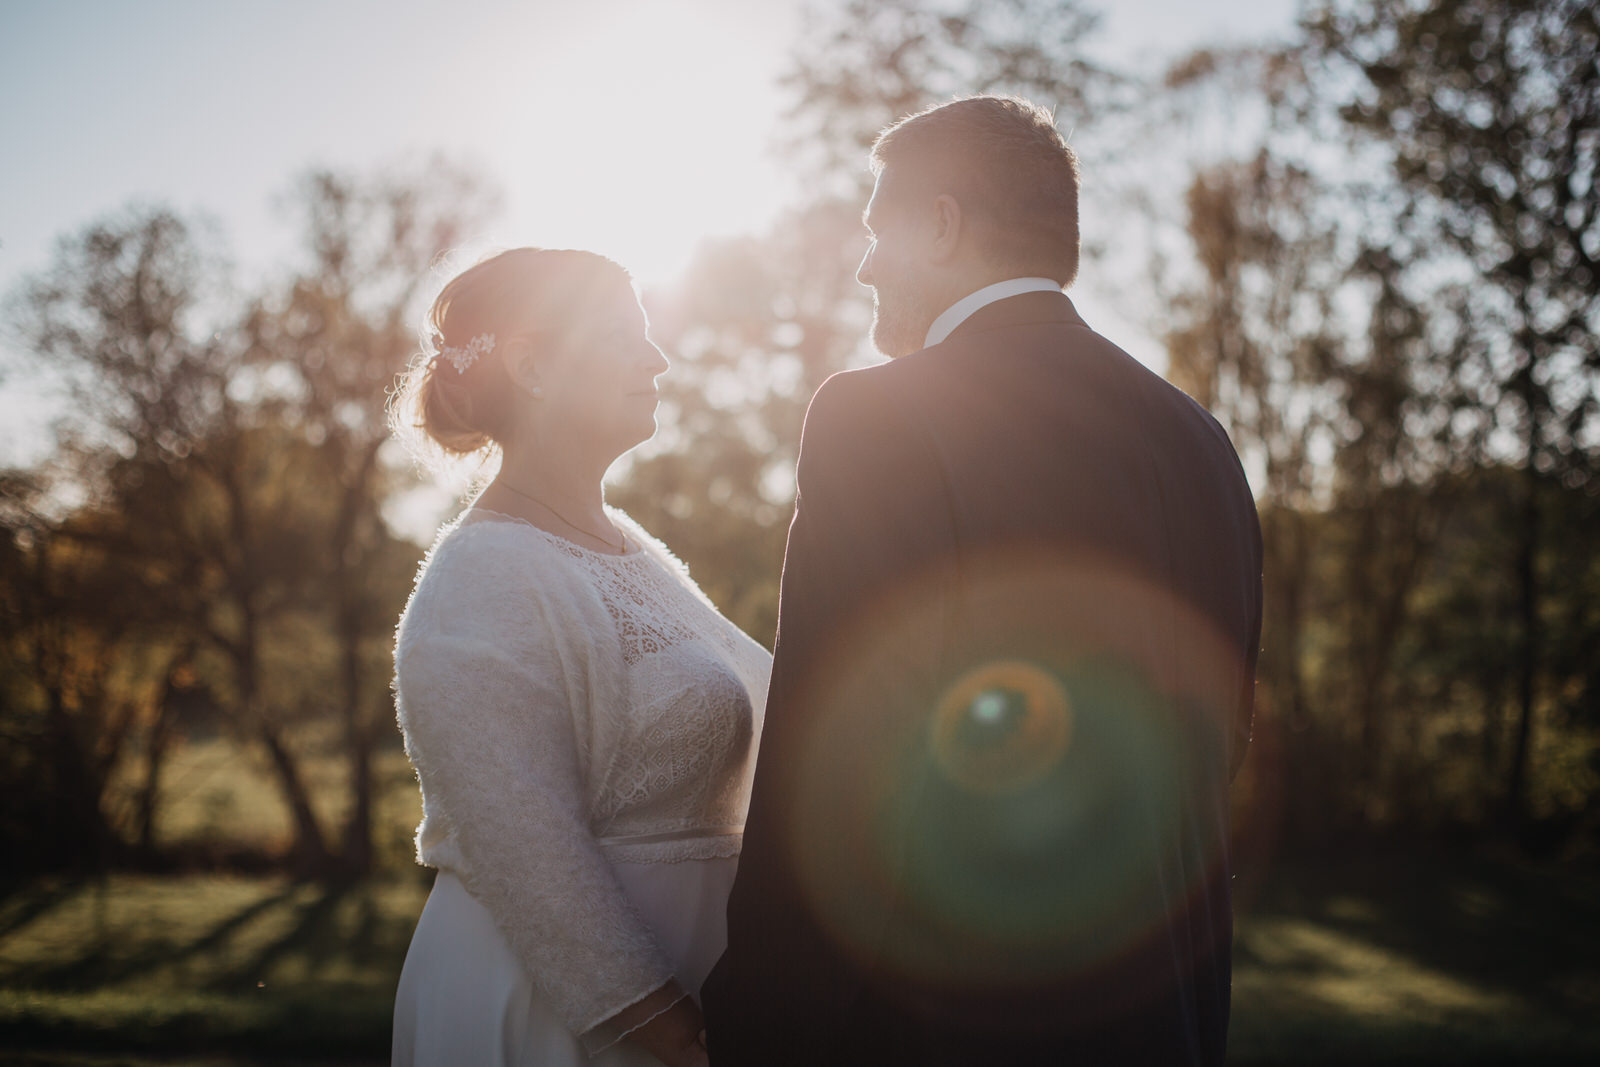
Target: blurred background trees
[
  {"x": 212, "y": 523},
  {"x": 1489, "y": 115},
  {"x": 1381, "y": 278}
]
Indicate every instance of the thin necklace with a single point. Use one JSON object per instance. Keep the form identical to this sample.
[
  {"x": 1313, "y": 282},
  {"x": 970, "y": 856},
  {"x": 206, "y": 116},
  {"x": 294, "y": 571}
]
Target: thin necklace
[{"x": 623, "y": 547}]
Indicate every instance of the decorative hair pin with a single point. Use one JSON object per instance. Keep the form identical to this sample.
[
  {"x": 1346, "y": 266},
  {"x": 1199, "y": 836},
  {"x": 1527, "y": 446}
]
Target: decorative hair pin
[{"x": 462, "y": 358}]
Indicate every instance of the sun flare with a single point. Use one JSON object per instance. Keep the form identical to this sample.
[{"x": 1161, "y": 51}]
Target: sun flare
[{"x": 658, "y": 139}]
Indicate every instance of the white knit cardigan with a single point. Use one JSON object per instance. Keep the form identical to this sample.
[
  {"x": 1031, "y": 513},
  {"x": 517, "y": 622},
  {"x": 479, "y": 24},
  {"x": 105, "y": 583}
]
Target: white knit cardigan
[{"x": 564, "y": 708}]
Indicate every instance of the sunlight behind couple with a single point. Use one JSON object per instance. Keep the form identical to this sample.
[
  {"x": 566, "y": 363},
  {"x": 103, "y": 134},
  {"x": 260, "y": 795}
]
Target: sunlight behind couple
[
  {"x": 642, "y": 133},
  {"x": 1037, "y": 789}
]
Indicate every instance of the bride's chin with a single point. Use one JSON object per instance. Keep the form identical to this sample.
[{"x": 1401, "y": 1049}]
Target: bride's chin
[{"x": 645, "y": 434}]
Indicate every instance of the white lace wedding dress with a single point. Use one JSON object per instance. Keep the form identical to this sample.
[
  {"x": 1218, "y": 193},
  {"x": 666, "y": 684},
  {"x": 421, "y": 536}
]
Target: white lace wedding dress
[{"x": 583, "y": 727}]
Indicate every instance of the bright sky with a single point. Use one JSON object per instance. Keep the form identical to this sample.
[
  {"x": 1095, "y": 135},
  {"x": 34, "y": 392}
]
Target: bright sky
[{"x": 634, "y": 127}]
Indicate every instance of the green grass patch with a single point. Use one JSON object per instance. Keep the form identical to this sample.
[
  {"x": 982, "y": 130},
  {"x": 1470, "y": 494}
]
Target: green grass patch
[
  {"x": 204, "y": 965},
  {"x": 1409, "y": 958},
  {"x": 1418, "y": 957}
]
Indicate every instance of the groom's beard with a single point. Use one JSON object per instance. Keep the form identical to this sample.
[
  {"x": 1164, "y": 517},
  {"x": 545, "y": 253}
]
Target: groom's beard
[{"x": 900, "y": 322}]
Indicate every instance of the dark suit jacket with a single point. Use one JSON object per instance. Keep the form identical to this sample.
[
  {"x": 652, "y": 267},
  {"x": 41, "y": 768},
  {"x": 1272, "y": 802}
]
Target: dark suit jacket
[{"x": 1013, "y": 676}]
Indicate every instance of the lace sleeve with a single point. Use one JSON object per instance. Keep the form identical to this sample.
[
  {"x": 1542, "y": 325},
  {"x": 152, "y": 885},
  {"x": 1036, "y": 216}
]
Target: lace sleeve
[{"x": 494, "y": 749}]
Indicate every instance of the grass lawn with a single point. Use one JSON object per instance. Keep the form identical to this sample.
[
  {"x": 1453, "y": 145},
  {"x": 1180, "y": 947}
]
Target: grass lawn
[
  {"x": 1406, "y": 957},
  {"x": 203, "y": 966},
  {"x": 1418, "y": 958},
  {"x": 1375, "y": 960}
]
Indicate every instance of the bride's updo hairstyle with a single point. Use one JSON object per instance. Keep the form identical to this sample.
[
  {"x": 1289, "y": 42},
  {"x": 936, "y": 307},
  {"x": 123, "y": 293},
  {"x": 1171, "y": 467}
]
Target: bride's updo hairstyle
[{"x": 457, "y": 391}]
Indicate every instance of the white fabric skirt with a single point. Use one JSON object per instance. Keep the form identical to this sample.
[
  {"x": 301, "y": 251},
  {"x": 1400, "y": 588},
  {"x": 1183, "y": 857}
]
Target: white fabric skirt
[{"x": 465, "y": 999}]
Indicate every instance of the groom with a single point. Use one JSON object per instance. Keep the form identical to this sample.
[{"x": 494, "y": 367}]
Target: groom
[{"x": 1014, "y": 667}]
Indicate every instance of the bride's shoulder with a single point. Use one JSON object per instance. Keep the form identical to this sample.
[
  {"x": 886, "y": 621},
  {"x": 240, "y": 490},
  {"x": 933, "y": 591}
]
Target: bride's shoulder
[
  {"x": 491, "y": 567},
  {"x": 471, "y": 543}
]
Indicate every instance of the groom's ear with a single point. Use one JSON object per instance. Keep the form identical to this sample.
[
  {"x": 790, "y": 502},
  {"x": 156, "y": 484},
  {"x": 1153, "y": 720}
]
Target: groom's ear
[{"x": 947, "y": 227}]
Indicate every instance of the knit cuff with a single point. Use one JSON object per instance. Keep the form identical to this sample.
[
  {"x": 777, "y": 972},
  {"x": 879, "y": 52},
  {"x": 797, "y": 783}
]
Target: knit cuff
[{"x": 606, "y": 1034}]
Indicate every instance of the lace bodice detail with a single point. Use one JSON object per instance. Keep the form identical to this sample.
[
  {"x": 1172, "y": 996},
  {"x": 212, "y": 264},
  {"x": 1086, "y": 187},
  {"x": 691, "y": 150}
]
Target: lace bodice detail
[
  {"x": 566, "y": 709},
  {"x": 693, "y": 681}
]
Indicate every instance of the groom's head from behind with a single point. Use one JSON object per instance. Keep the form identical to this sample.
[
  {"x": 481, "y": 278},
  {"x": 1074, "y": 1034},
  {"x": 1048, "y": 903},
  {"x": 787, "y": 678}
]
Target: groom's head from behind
[{"x": 969, "y": 193}]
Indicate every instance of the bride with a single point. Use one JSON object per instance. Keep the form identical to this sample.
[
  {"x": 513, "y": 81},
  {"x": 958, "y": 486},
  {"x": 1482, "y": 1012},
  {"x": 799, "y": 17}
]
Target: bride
[{"x": 582, "y": 720}]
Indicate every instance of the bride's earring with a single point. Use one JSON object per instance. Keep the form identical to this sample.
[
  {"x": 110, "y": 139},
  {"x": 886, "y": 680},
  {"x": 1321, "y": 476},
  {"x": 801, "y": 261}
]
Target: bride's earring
[{"x": 524, "y": 374}]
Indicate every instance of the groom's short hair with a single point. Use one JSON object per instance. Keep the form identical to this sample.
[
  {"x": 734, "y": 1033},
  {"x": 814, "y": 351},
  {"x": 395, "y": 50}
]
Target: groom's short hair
[{"x": 1008, "y": 167}]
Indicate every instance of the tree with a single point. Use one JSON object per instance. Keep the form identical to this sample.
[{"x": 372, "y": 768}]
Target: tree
[
  {"x": 82, "y": 669},
  {"x": 239, "y": 470},
  {"x": 337, "y": 336},
  {"x": 1489, "y": 113},
  {"x": 118, "y": 319},
  {"x": 876, "y": 61},
  {"x": 1252, "y": 335}
]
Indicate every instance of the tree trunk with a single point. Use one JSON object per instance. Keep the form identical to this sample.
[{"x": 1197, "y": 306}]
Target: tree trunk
[
  {"x": 157, "y": 745},
  {"x": 1529, "y": 532},
  {"x": 1294, "y": 579},
  {"x": 1388, "y": 562},
  {"x": 357, "y": 859},
  {"x": 150, "y": 788},
  {"x": 1287, "y": 544},
  {"x": 1364, "y": 649},
  {"x": 84, "y": 840},
  {"x": 85, "y": 837},
  {"x": 347, "y": 549},
  {"x": 358, "y": 831},
  {"x": 310, "y": 851}
]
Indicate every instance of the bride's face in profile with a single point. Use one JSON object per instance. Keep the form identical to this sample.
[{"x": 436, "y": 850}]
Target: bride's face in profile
[{"x": 598, "y": 390}]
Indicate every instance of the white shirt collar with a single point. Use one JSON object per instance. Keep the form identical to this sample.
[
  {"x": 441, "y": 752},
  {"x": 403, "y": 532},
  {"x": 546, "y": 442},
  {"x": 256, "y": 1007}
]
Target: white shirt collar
[{"x": 962, "y": 309}]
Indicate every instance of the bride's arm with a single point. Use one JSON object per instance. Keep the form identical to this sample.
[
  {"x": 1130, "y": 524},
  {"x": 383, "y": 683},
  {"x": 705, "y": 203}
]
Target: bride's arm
[{"x": 493, "y": 742}]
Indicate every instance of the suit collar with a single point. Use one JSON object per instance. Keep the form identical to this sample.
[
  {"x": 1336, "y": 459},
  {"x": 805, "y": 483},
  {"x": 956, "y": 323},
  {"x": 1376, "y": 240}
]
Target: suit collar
[
  {"x": 963, "y": 309},
  {"x": 1026, "y": 309}
]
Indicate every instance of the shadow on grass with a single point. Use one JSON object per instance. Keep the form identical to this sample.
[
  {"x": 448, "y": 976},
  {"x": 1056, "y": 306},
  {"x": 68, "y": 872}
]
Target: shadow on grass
[
  {"x": 314, "y": 935},
  {"x": 303, "y": 928},
  {"x": 23, "y": 902},
  {"x": 304, "y": 1027},
  {"x": 106, "y": 961},
  {"x": 1510, "y": 929},
  {"x": 1378, "y": 954},
  {"x": 1372, "y": 956},
  {"x": 244, "y": 971},
  {"x": 90, "y": 1059}
]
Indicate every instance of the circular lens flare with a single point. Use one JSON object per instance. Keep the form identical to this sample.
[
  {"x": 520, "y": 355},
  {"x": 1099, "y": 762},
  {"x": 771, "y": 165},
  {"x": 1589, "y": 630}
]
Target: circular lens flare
[
  {"x": 1055, "y": 813},
  {"x": 1001, "y": 727}
]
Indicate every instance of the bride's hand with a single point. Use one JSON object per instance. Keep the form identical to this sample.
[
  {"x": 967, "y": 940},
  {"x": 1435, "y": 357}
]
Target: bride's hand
[{"x": 673, "y": 1033}]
